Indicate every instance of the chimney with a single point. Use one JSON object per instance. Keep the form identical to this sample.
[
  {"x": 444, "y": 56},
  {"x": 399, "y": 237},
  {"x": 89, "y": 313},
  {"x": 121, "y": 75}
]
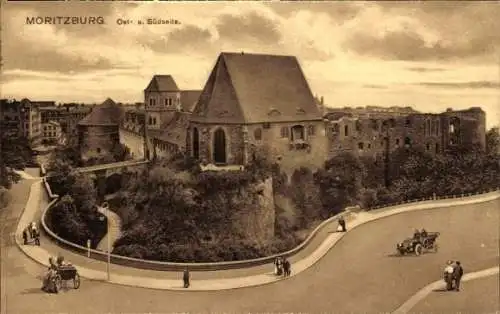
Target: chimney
[{"x": 322, "y": 101}]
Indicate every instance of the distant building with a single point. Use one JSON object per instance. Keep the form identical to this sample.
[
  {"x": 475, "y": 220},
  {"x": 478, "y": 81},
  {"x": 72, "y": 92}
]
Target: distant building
[
  {"x": 254, "y": 102},
  {"x": 52, "y": 133},
  {"x": 99, "y": 131},
  {"x": 68, "y": 116},
  {"x": 21, "y": 118}
]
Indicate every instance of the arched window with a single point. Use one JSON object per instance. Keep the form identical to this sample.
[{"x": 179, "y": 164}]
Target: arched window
[
  {"x": 407, "y": 142},
  {"x": 311, "y": 130},
  {"x": 196, "y": 144},
  {"x": 298, "y": 133},
  {"x": 257, "y": 134},
  {"x": 219, "y": 146}
]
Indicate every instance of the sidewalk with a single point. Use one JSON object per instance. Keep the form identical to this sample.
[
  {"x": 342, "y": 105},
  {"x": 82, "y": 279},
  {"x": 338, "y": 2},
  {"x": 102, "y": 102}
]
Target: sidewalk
[
  {"x": 114, "y": 224},
  {"x": 211, "y": 280}
]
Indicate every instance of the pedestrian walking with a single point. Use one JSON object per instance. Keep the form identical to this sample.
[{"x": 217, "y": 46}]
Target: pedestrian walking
[
  {"x": 448, "y": 275},
  {"x": 25, "y": 237},
  {"x": 287, "y": 268},
  {"x": 342, "y": 224},
  {"x": 458, "y": 272},
  {"x": 185, "y": 278}
]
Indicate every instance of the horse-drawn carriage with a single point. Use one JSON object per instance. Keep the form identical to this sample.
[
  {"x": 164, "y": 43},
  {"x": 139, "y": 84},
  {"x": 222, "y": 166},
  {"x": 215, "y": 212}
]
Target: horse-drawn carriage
[{"x": 419, "y": 245}]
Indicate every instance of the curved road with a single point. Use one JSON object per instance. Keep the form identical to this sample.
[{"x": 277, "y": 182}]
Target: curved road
[{"x": 358, "y": 275}]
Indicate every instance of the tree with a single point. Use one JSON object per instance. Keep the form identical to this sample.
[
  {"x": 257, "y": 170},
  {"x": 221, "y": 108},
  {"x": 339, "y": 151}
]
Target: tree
[
  {"x": 61, "y": 176},
  {"x": 340, "y": 182},
  {"x": 120, "y": 152},
  {"x": 493, "y": 141},
  {"x": 84, "y": 195},
  {"x": 15, "y": 154}
]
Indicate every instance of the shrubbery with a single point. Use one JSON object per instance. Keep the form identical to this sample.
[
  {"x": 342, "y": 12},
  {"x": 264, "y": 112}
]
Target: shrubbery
[{"x": 75, "y": 216}]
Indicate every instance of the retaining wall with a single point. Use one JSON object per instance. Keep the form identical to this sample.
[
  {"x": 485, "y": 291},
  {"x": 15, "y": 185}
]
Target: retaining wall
[{"x": 166, "y": 266}]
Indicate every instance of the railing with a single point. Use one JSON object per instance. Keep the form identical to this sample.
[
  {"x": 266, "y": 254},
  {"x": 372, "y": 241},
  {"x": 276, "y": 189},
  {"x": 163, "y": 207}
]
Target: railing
[
  {"x": 168, "y": 266},
  {"x": 128, "y": 163}
]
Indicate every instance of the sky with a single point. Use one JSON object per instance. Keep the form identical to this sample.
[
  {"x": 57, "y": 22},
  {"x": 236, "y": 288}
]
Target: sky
[{"x": 430, "y": 56}]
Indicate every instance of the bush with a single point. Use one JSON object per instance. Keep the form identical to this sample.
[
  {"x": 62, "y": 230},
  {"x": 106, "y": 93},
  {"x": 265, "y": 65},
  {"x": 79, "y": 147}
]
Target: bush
[{"x": 4, "y": 197}]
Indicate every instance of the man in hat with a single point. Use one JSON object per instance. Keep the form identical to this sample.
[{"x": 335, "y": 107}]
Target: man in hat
[
  {"x": 185, "y": 277},
  {"x": 448, "y": 275},
  {"x": 342, "y": 224},
  {"x": 458, "y": 272}
]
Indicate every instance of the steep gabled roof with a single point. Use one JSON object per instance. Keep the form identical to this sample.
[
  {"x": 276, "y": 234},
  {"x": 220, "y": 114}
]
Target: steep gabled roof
[
  {"x": 162, "y": 83},
  {"x": 189, "y": 99},
  {"x": 254, "y": 88},
  {"x": 107, "y": 113}
]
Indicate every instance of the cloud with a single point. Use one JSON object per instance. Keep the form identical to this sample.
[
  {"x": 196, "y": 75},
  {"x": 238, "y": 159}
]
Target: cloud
[
  {"x": 426, "y": 69},
  {"x": 470, "y": 85},
  {"x": 375, "y": 86},
  {"x": 251, "y": 26},
  {"x": 408, "y": 45}
]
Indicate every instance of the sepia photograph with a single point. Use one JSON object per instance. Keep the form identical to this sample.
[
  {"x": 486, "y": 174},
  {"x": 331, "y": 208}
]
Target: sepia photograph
[{"x": 249, "y": 157}]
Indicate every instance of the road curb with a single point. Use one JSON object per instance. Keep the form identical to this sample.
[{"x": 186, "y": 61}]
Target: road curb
[{"x": 326, "y": 245}]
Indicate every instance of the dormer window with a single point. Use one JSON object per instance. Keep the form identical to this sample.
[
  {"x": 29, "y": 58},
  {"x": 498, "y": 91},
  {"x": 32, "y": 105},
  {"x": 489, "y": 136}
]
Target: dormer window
[
  {"x": 274, "y": 112},
  {"x": 300, "y": 110}
]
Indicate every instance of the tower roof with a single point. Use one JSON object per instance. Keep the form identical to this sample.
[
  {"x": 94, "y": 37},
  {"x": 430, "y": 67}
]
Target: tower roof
[{"x": 107, "y": 113}]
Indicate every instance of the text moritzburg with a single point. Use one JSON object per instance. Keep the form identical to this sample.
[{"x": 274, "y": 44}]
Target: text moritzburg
[{"x": 65, "y": 20}]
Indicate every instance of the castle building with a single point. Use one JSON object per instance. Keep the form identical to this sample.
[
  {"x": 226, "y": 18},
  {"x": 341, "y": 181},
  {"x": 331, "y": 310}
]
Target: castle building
[
  {"x": 99, "y": 131},
  {"x": 252, "y": 102},
  {"x": 369, "y": 132},
  {"x": 256, "y": 103}
]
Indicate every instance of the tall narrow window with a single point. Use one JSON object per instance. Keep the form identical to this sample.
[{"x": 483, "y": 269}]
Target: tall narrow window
[
  {"x": 346, "y": 130},
  {"x": 311, "y": 131},
  {"x": 284, "y": 132},
  {"x": 257, "y": 134}
]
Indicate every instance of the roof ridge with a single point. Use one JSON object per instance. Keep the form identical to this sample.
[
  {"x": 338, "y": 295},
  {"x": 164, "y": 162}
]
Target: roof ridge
[{"x": 234, "y": 90}]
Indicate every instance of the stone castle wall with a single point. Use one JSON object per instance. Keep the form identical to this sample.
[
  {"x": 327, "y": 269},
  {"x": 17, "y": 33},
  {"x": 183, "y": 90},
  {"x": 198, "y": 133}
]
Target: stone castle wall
[{"x": 256, "y": 219}]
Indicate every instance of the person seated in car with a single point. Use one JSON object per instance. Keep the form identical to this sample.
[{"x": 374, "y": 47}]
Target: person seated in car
[
  {"x": 416, "y": 235},
  {"x": 423, "y": 233}
]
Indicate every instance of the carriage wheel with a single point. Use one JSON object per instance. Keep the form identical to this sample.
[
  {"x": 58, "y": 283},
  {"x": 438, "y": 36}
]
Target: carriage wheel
[
  {"x": 418, "y": 249},
  {"x": 76, "y": 281}
]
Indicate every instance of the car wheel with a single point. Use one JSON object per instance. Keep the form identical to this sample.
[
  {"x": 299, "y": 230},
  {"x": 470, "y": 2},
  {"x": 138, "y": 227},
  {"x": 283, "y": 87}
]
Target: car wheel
[{"x": 418, "y": 249}]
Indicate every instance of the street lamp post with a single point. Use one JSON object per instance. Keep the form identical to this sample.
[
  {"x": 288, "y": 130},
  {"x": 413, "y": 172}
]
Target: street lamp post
[
  {"x": 387, "y": 153},
  {"x": 109, "y": 241}
]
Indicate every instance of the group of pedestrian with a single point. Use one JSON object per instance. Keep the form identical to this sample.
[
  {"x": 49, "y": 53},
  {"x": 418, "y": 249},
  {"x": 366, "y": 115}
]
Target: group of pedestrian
[
  {"x": 32, "y": 231},
  {"x": 453, "y": 273},
  {"x": 282, "y": 267}
]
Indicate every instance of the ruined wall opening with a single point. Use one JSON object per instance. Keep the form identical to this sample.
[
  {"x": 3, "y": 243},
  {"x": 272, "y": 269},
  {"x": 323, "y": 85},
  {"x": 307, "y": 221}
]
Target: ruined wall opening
[
  {"x": 196, "y": 143},
  {"x": 219, "y": 147}
]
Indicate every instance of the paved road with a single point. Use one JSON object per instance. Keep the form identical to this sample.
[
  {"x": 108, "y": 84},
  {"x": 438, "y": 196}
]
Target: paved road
[
  {"x": 358, "y": 275},
  {"x": 476, "y": 296}
]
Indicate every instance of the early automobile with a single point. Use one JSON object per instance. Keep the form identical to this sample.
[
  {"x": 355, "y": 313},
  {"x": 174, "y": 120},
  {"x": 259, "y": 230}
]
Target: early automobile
[
  {"x": 65, "y": 273},
  {"x": 419, "y": 245}
]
